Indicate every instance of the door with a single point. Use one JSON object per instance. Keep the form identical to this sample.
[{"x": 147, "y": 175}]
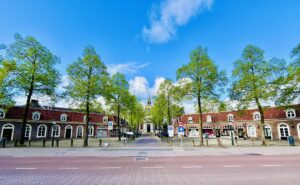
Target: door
[
  {"x": 241, "y": 133},
  {"x": 148, "y": 128},
  {"x": 268, "y": 133},
  {"x": 68, "y": 133},
  {"x": 218, "y": 133},
  {"x": 7, "y": 133},
  {"x": 284, "y": 132}
]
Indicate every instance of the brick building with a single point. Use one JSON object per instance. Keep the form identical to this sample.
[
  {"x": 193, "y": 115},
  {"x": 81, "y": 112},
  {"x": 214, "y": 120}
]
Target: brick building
[
  {"x": 280, "y": 122},
  {"x": 53, "y": 122}
]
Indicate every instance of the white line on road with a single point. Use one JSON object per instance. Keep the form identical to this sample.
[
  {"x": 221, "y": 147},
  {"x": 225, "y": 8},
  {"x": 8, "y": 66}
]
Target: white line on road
[
  {"x": 151, "y": 167},
  {"x": 111, "y": 167},
  {"x": 232, "y": 166},
  {"x": 25, "y": 168},
  {"x": 271, "y": 165},
  {"x": 192, "y": 167},
  {"x": 68, "y": 168}
]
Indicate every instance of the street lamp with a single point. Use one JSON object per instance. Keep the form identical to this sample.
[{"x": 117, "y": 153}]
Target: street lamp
[
  {"x": 52, "y": 130},
  {"x": 231, "y": 133}
]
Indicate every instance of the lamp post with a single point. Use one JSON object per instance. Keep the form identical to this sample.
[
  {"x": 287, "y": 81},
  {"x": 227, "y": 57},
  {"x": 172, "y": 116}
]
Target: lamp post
[
  {"x": 52, "y": 132},
  {"x": 231, "y": 133}
]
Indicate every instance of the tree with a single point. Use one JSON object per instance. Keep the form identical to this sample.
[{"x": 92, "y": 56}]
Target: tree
[
  {"x": 118, "y": 96},
  {"x": 87, "y": 81},
  {"x": 34, "y": 71},
  {"x": 202, "y": 80},
  {"x": 157, "y": 112},
  {"x": 6, "y": 94},
  {"x": 256, "y": 80},
  {"x": 291, "y": 88},
  {"x": 135, "y": 112}
]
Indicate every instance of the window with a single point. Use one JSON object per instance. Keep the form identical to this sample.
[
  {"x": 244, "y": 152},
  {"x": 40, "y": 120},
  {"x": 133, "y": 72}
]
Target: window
[
  {"x": 208, "y": 119},
  {"x": 230, "y": 117},
  {"x": 251, "y": 131},
  {"x": 283, "y": 131},
  {"x": 84, "y": 118},
  {"x": 105, "y": 119},
  {"x": 91, "y": 131},
  {"x": 8, "y": 131},
  {"x": 63, "y": 117},
  {"x": 190, "y": 119},
  {"x": 2, "y": 113},
  {"x": 290, "y": 113},
  {"x": 41, "y": 131},
  {"x": 28, "y": 131},
  {"x": 268, "y": 132},
  {"x": 55, "y": 131},
  {"x": 256, "y": 116},
  {"x": 79, "y": 133},
  {"x": 36, "y": 115},
  {"x": 298, "y": 127}
]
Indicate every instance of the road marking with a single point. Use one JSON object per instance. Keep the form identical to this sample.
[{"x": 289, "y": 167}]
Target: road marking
[
  {"x": 271, "y": 165},
  {"x": 111, "y": 167},
  {"x": 192, "y": 167},
  {"x": 68, "y": 168},
  {"x": 151, "y": 167},
  {"x": 25, "y": 168},
  {"x": 232, "y": 166}
]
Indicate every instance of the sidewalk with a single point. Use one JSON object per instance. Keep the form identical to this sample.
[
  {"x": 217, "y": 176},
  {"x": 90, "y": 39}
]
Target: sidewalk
[{"x": 148, "y": 151}]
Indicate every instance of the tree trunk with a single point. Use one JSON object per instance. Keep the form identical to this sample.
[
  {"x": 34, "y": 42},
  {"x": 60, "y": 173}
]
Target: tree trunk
[
  {"x": 26, "y": 111},
  {"x": 200, "y": 121},
  {"x": 262, "y": 121},
  {"x": 169, "y": 111},
  {"x": 119, "y": 131},
  {"x": 87, "y": 110}
]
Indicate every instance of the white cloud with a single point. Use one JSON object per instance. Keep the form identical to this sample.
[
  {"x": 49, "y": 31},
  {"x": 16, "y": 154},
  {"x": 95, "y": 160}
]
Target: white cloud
[
  {"x": 130, "y": 67},
  {"x": 170, "y": 14}
]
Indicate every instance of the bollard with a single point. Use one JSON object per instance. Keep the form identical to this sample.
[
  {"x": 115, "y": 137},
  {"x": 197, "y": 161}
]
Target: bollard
[
  {"x": 206, "y": 140},
  {"x": 100, "y": 142},
  {"x": 124, "y": 142},
  {"x": 71, "y": 143},
  {"x": 29, "y": 143},
  {"x": 44, "y": 142},
  {"x": 57, "y": 143},
  {"x": 219, "y": 142},
  {"x": 193, "y": 142},
  {"x": 236, "y": 140},
  {"x": 52, "y": 143},
  {"x": 16, "y": 143},
  {"x": 252, "y": 141}
]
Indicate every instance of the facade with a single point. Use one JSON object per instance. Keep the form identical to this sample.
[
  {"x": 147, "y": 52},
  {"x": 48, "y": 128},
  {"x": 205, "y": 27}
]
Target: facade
[
  {"x": 280, "y": 122},
  {"x": 51, "y": 122},
  {"x": 147, "y": 126}
]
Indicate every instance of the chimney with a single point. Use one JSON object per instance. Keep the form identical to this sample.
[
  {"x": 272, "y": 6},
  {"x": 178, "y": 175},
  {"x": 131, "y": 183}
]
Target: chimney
[{"x": 35, "y": 103}]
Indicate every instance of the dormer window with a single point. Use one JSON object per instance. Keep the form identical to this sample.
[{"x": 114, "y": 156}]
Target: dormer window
[
  {"x": 105, "y": 119},
  {"x": 190, "y": 119},
  {"x": 63, "y": 117},
  {"x": 2, "y": 113},
  {"x": 230, "y": 117},
  {"x": 208, "y": 119},
  {"x": 36, "y": 115},
  {"x": 256, "y": 116},
  {"x": 290, "y": 113}
]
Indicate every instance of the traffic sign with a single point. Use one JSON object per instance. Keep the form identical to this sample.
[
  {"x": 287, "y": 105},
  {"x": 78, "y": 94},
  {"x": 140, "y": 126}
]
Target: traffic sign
[
  {"x": 170, "y": 131},
  {"x": 181, "y": 130},
  {"x": 110, "y": 125}
]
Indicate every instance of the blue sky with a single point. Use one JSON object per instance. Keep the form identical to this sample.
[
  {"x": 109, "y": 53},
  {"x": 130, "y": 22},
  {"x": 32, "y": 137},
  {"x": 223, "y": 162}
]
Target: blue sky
[{"x": 148, "y": 40}]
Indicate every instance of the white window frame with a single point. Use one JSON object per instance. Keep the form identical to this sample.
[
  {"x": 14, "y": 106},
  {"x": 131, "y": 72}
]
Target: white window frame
[
  {"x": 63, "y": 117},
  {"x": 58, "y": 132},
  {"x": 287, "y": 112},
  {"x": 3, "y": 114},
  {"x": 230, "y": 117},
  {"x": 37, "y": 131},
  {"x": 81, "y": 131},
  {"x": 36, "y": 114},
  {"x": 66, "y": 131},
  {"x": 29, "y": 133},
  {"x": 298, "y": 129},
  {"x": 105, "y": 119},
  {"x": 209, "y": 119},
  {"x": 190, "y": 119},
  {"x": 92, "y": 128},
  {"x": 256, "y": 114},
  {"x": 84, "y": 118},
  {"x": 288, "y": 128},
  {"x": 254, "y": 129},
  {"x": 11, "y": 126}
]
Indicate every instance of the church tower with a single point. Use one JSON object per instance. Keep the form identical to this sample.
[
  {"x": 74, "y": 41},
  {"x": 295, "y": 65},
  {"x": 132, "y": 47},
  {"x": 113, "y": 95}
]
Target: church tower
[{"x": 148, "y": 126}]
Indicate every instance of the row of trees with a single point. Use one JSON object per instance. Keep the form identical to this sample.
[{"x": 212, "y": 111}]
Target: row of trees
[
  {"x": 254, "y": 81},
  {"x": 29, "y": 68}
]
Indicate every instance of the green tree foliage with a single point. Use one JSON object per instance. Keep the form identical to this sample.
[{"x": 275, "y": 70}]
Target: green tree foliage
[
  {"x": 135, "y": 112},
  {"x": 33, "y": 73},
  {"x": 157, "y": 112},
  {"x": 87, "y": 81},
  {"x": 291, "y": 88},
  {"x": 256, "y": 80},
  {"x": 118, "y": 96},
  {"x": 203, "y": 80},
  {"x": 6, "y": 94}
]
